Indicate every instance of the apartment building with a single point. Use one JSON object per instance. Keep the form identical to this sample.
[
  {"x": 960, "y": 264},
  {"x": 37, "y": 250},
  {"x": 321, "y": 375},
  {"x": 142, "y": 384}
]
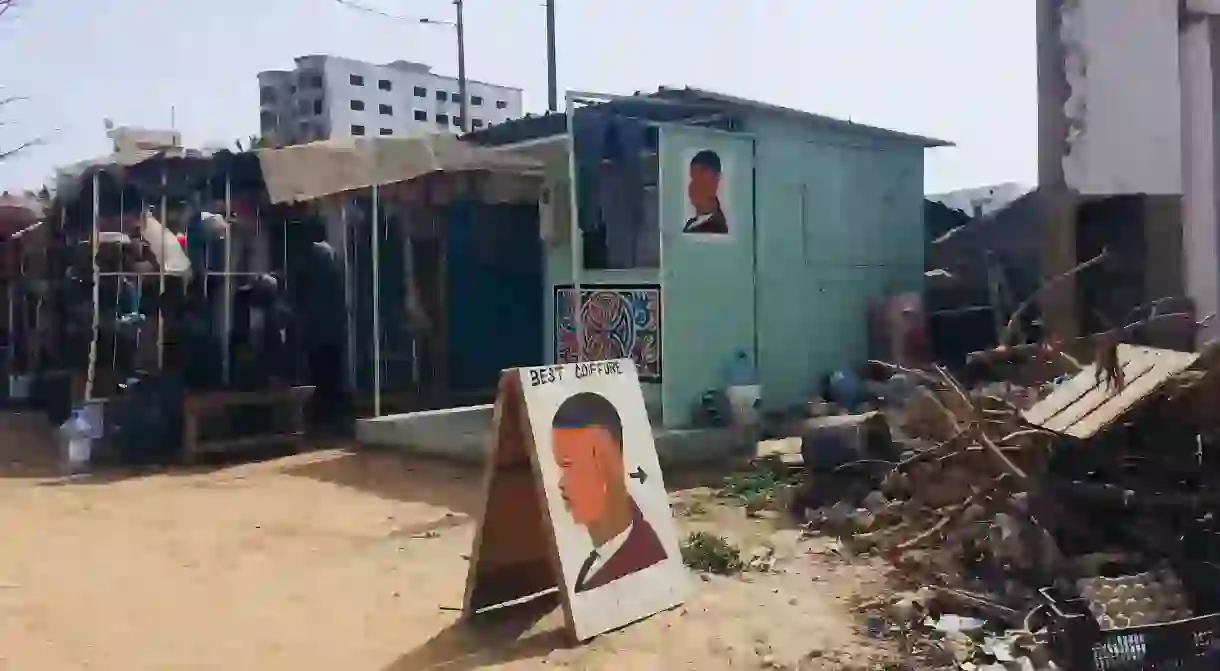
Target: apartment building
[{"x": 328, "y": 96}]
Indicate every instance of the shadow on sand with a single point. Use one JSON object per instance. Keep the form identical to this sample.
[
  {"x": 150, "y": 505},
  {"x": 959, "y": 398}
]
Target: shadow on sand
[
  {"x": 489, "y": 640},
  {"x": 28, "y": 446},
  {"x": 392, "y": 475}
]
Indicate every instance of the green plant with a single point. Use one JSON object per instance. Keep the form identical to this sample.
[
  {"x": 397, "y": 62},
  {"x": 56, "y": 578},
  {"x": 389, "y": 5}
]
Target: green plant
[
  {"x": 709, "y": 553},
  {"x": 754, "y": 486}
]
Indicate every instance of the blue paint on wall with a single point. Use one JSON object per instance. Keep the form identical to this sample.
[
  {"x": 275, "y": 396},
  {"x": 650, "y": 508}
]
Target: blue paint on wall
[
  {"x": 840, "y": 224},
  {"x": 707, "y": 279},
  {"x": 494, "y": 270},
  {"x": 834, "y": 221}
]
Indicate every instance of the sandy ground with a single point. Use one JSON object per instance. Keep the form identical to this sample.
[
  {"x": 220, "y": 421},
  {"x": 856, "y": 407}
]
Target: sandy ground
[{"x": 344, "y": 560}]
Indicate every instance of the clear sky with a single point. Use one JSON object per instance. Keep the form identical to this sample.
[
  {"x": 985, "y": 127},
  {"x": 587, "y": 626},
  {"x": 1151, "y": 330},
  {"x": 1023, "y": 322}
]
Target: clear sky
[{"x": 961, "y": 70}]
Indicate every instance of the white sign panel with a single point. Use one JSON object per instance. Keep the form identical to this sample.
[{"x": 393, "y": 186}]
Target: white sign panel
[{"x": 615, "y": 534}]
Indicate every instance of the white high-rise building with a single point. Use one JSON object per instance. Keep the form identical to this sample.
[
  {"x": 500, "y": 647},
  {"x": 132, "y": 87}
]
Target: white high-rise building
[{"x": 328, "y": 96}]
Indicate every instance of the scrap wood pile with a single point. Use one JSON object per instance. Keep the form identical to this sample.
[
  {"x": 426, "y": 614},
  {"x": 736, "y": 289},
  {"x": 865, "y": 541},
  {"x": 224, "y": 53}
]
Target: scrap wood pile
[
  {"x": 991, "y": 498},
  {"x": 953, "y": 509}
]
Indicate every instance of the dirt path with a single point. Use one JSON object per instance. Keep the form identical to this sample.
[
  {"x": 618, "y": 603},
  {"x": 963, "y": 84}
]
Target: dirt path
[{"x": 338, "y": 560}]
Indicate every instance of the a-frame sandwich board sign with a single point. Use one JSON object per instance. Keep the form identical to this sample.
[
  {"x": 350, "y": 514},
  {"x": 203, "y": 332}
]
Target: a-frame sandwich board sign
[{"x": 575, "y": 500}]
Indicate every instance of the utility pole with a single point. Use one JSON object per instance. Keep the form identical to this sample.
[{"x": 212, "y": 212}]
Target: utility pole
[
  {"x": 461, "y": 39},
  {"x": 552, "y": 77}
]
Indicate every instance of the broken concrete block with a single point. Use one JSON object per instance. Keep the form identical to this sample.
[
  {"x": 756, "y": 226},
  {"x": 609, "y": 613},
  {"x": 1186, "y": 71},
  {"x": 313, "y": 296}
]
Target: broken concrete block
[
  {"x": 778, "y": 448},
  {"x": 904, "y": 611},
  {"x": 818, "y": 407},
  {"x": 832, "y": 444},
  {"x": 924, "y": 416},
  {"x": 876, "y": 502},
  {"x": 863, "y": 521},
  {"x": 838, "y": 515},
  {"x": 786, "y": 498}
]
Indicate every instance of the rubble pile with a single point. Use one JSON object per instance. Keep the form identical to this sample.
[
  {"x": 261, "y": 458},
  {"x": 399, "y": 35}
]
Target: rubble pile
[{"x": 989, "y": 517}]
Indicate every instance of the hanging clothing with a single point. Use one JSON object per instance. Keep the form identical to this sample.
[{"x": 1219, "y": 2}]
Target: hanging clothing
[
  {"x": 623, "y": 193},
  {"x": 320, "y": 301},
  {"x": 589, "y": 130},
  {"x": 259, "y": 346},
  {"x": 322, "y": 310},
  {"x": 205, "y": 237},
  {"x": 609, "y": 173}
]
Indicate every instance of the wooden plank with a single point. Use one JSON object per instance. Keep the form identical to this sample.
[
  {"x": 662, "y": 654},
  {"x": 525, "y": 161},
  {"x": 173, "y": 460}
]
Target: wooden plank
[
  {"x": 245, "y": 442},
  {"x": 1081, "y": 407},
  {"x": 1133, "y": 370},
  {"x": 1114, "y": 408},
  {"x": 1062, "y": 397},
  {"x": 226, "y": 399},
  {"x": 1074, "y": 389},
  {"x": 197, "y": 406},
  {"x": 190, "y": 435}
]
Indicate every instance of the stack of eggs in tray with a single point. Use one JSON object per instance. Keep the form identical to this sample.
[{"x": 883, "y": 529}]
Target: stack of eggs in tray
[{"x": 1153, "y": 597}]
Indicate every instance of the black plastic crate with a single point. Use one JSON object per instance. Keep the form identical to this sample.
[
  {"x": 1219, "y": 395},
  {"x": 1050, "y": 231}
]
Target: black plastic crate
[{"x": 1192, "y": 644}]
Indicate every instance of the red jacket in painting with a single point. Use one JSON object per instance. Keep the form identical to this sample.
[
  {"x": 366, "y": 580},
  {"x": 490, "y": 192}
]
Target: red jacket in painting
[{"x": 641, "y": 550}]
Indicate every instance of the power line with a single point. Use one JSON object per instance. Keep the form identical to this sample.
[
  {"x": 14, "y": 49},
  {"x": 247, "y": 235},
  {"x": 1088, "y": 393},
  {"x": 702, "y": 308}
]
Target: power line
[
  {"x": 460, "y": 27},
  {"x": 359, "y": 7}
]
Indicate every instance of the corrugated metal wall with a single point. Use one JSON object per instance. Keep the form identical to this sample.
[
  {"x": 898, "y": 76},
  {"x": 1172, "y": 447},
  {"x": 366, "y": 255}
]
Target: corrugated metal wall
[{"x": 840, "y": 223}]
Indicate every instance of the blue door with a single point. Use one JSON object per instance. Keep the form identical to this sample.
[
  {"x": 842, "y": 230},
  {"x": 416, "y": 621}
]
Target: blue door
[{"x": 494, "y": 275}]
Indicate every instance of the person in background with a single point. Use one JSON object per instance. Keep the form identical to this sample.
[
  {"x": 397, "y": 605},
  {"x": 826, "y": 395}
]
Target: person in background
[
  {"x": 318, "y": 290},
  {"x": 259, "y": 343},
  {"x": 205, "y": 237}
]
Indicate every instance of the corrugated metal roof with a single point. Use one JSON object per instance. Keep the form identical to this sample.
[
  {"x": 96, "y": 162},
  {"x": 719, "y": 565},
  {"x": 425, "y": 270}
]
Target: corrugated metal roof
[
  {"x": 1081, "y": 408},
  {"x": 838, "y": 124},
  {"x": 695, "y": 102}
]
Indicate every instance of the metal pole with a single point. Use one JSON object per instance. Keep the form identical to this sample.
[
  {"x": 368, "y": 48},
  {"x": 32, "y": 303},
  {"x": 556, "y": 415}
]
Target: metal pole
[
  {"x": 207, "y": 246},
  {"x": 118, "y": 291},
  {"x": 136, "y": 358},
  {"x": 25, "y": 316},
  {"x": 461, "y": 46},
  {"x": 552, "y": 76},
  {"x": 348, "y": 297},
  {"x": 376, "y": 241},
  {"x": 94, "y": 234},
  {"x": 11, "y": 289},
  {"x": 227, "y": 306},
  {"x": 574, "y": 239},
  {"x": 165, "y": 231}
]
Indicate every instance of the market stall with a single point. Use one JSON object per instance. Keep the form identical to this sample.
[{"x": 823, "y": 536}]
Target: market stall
[
  {"x": 403, "y": 202},
  {"x": 161, "y": 254},
  {"x": 220, "y": 293},
  {"x": 22, "y": 269}
]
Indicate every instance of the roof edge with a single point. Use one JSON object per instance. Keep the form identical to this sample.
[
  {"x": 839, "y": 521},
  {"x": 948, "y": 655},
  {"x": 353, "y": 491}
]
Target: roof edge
[{"x": 925, "y": 141}]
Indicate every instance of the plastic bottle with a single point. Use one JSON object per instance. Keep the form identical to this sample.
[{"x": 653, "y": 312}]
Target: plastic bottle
[
  {"x": 743, "y": 391},
  {"x": 76, "y": 443},
  {"x": 846, "y": 389},
  {"x": 742, "y": 372}
]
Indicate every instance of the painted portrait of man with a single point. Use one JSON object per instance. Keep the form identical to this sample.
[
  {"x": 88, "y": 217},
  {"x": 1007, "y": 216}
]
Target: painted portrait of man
[
  {"x": 588, "y": 448},
  {"x": 703, "y": 190}
]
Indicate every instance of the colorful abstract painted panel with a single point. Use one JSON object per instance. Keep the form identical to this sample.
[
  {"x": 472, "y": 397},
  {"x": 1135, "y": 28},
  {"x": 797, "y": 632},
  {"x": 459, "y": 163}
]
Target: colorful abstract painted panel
[{"x": 621, "y": 322}]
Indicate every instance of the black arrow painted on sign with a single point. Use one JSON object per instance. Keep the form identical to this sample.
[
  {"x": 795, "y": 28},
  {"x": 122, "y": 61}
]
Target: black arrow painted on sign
[{"x": 639, "y": 474}]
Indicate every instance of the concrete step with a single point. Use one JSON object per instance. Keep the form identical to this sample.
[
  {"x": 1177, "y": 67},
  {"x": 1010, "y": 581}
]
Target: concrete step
[{"x": 461, "y": 434}]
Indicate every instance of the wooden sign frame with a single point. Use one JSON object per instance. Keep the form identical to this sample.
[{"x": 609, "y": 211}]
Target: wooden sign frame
[{"x": 515, "y": 555}]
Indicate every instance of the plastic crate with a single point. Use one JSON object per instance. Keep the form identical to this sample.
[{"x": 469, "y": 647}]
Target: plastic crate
[{"x": 1192, "y": 644}]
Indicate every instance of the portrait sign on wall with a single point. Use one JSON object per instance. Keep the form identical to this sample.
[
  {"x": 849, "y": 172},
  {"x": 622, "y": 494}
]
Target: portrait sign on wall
[
  {"x": 575, "y": 500},
  {"x": 708, "y": 211}
]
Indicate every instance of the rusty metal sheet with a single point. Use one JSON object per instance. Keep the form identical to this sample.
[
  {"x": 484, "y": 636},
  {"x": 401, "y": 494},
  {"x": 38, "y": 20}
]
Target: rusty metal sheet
[{"x": 1081, "y": 408}]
